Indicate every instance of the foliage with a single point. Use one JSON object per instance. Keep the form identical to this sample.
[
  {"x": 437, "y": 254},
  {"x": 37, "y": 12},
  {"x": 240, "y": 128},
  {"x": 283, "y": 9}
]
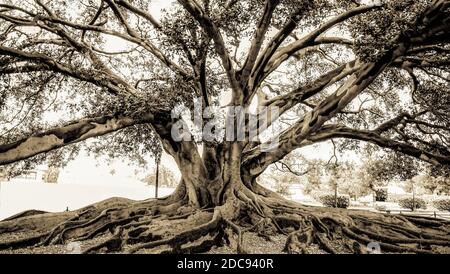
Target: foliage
[
  {"x": 437, "y": 180},
  {"x": 330, "y": 201},
  {"x": 412, "y": 204},
  {"x": 51, "y": 175},
  {"x": 349, "y": 178},
  {"x": 420, "y": 184},
  {"x": 166, "y": 177},
  {"x": 439, "y": 171},
  {"x": 389, "y": 166},
  {"x": 438, "y": 185},
  {"x": 282, "y": 188},
  {"x": 384, "y": 25},
  {"x": 380, "y": 207},
  {"x": 443, "y": 205},
  {"x": 381, "y": 194},
  {"x": 314, "y": 176}
]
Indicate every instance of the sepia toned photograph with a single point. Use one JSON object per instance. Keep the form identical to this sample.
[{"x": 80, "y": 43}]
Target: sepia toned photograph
[{"x": 220, "y": 127}]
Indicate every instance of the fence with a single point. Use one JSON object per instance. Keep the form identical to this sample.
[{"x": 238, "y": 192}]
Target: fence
[{"x": 432, "y": 214}]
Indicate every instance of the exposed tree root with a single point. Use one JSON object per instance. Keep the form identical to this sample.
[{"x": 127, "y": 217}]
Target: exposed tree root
[
  {"x": 25, "y": 213},
  {"x": 172, "y": 226}
]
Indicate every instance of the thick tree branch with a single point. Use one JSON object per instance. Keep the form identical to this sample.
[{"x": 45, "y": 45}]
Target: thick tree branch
[
  {"x": 139, "y": 12},
  {"x": 114, "y": 85},
  {"x": 300, "y": 94},
  {"x": 328, "y": 108},
  {"x": 375, "y": 138},
  {"x": 272, "y": 57},
  {"x": 219, "y": 44},
  {"x": 71, "y": 133},
  {"x": 144, "y": 43},
  {"x": 258, "y": 40}
]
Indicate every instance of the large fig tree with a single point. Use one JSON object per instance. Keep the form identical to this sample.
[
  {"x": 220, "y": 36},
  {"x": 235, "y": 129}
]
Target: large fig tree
[{"x": 113, "y": 71}]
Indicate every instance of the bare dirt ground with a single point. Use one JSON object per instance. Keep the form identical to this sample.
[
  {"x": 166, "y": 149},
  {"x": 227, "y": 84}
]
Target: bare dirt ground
[{"x": 254, "y": 244}]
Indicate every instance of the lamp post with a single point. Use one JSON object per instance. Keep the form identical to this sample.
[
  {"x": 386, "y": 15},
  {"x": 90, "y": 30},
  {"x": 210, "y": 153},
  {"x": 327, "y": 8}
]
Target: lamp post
[
  {"x": 414, "y": 196},
  {"x": 157, "y": 178}
]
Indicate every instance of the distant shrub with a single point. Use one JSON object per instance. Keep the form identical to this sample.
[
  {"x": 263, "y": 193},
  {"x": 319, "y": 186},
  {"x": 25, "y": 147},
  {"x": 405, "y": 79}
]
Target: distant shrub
[
  {"x": 443, "y": 205},
  {"x": 381, "y": 195},
  {"x": 282, "y": 189},
  {"x": 412, "y": 204},
  {"x": 395, "y": 198},
  {"x": 328, "y": 200},
  {"x": 380, "y": 207}
]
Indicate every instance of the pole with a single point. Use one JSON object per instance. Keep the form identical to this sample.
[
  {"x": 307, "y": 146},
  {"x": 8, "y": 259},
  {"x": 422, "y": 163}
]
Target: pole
[{"x": 157, "y": 179}]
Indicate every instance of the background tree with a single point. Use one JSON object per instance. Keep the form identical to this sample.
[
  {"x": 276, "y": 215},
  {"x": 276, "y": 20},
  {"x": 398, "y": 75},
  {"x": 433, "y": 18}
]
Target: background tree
[
  {"x": 438, "y": 180},
  {"x": 437, "y": 185},
  {"x": 354, "y": 181},
  {"x": 51, "y": 175},
  {"x": 285, "y": 173},
  {"x": 166, "y": 177},
  {"x": 374, "y": 72},
  {"x": 349, "y": 178},
  {"x": 384, "y": 168}
]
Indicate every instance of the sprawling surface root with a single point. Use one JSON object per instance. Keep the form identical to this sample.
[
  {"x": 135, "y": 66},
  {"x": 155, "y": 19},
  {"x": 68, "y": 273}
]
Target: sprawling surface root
[
  {"x": 172, "y": 226},
  {"x": 347, "y": 231}
]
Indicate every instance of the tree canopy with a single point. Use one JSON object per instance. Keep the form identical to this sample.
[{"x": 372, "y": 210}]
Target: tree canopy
[{"x": 55, "y": 60}]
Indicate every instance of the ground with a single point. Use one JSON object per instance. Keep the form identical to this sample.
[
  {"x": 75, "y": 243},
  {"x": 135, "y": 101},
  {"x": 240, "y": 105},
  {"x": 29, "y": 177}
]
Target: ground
[
  {"x": 418, "y": 235},
  {"x": 255, "y": 245}
]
